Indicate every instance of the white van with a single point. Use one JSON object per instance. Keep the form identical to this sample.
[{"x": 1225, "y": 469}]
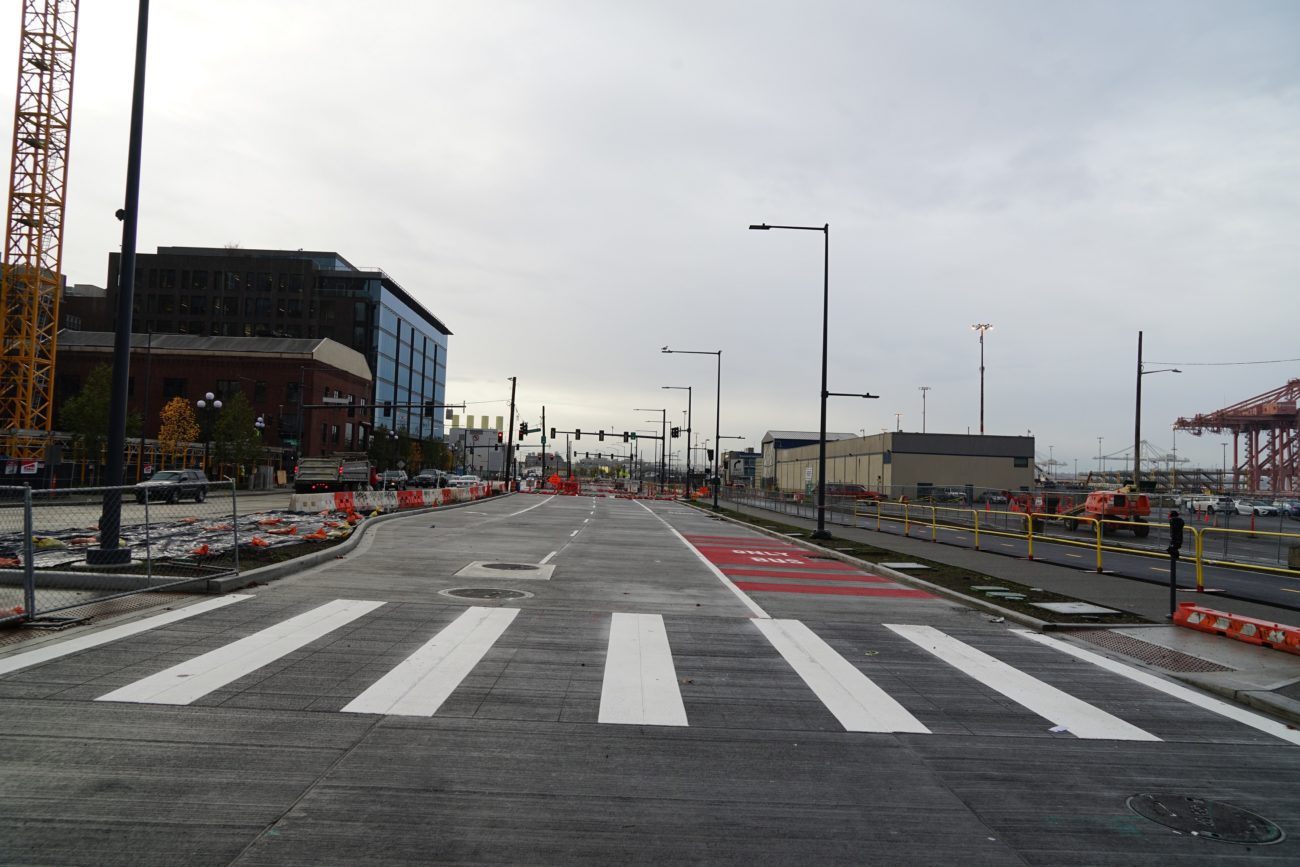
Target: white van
[{"x": 463, "y": 481}]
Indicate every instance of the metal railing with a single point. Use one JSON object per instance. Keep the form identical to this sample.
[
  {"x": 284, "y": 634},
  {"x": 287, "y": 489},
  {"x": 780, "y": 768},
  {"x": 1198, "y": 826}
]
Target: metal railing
[
  {"x": 1246, "y": 547},
  {"x": 45, "y": 536}
]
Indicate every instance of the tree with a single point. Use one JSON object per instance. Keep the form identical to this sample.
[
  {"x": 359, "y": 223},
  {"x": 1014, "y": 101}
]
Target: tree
[
  {"x": 235, "y": 439},
  {"x": 85, "y": 415},
  {"x": 176, "y": 425}
]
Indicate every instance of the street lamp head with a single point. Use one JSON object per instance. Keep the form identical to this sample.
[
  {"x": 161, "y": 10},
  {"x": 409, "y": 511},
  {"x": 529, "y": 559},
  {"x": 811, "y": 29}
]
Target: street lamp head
[
  {"x": 761, "y": 227},
  {"x": 981, "y": 327},
  {"x": 209, "y": 395},
  {"x": 665, "y": 349}
]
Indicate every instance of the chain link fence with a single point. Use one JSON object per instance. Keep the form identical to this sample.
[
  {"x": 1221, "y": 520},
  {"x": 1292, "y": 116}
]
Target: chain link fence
[{"x": 174, "y": 535}]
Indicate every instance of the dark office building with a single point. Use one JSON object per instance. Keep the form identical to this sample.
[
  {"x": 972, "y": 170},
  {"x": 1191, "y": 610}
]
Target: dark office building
[{"x": 233, "y": 292}]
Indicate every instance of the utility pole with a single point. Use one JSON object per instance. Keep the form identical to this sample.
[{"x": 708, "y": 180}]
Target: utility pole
[
  {"x": 543, "y": 445},
  {"x": 510, "y": 442}
]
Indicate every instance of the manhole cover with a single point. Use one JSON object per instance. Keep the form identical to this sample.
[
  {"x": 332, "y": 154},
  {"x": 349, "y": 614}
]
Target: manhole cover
[
  {"x": 1202, "y": 818},
  {"x": 517, "y": 566},
  {"x": 485, "y": 593}
]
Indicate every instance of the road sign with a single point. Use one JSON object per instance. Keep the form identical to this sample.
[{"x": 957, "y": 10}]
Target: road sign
[
  {"x": 148, "y": 469},
  {"x": 807, "y": 474}
]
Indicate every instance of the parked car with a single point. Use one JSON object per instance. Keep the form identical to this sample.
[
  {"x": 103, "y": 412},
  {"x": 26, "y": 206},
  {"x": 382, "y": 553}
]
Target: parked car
[
  {"x": 1255, "y": 507},
  {"x": 857, "y": 492},
  {"x": 170, "y": 486},
  {"x": 463, "y": 481},
  {"x": 948, "y": 495},
  {"x": 428, "y": 479},
  {"x": 394, "y": 480},
  {"x": 991, "y": 497},
  {"x": 1290, "y": 508},
  {"x": 1213, "y": 503}
]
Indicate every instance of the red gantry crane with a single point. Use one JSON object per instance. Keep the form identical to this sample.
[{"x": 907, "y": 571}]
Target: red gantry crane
[
  {"x": 31, "y": 276},
  {"x": 1269, "y": 424}
]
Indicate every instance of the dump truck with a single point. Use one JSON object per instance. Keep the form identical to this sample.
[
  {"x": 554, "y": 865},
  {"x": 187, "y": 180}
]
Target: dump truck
[
  {"x": 1107, "y": 506},
  {"x": 333, "y": 473}
]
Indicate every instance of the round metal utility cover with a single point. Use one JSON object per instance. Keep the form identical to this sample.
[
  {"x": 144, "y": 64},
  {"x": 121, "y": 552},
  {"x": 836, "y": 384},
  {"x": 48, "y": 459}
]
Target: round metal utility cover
[
  {"x": 485, "y": 593},
  {"x": 1213, "y": 819},
  {"x": 518, "y": 566}
]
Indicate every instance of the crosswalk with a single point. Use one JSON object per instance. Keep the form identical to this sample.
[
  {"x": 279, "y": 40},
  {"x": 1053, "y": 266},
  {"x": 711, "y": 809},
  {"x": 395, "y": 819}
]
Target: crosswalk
[{"x": 639, "y": 664}]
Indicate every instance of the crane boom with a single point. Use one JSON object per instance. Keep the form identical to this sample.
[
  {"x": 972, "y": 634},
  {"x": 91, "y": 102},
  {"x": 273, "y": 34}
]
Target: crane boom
[{"x": 31, "y": 273}]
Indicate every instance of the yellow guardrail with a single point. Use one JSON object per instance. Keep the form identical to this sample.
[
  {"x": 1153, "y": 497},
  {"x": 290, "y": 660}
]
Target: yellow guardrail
[{"x": 1031, "y": 526}]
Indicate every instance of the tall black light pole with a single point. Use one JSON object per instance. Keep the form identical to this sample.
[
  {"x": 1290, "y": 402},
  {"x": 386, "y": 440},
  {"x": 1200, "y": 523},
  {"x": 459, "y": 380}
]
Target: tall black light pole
[
  {"x": 717, "y": 413},
  {"x": 688, "y": 390},
  {"x": 820, "y": 532},
  {"x": 110, "y": 522},
  {"x": 981, "y": 327},
  {"x": 209, "y": 404},
  {"x": 663, "y": 443},
  {"x": 1137, "y": 415}
]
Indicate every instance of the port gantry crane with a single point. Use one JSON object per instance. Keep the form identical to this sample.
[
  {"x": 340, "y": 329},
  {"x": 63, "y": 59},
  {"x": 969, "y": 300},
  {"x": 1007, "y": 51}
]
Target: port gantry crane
[
  {"x": 1269, "y": 424},
  {"x": 31, "y": 273}
]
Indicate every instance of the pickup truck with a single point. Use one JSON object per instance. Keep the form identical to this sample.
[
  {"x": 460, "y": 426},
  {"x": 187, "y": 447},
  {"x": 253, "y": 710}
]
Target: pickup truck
[{"x": 332, "y": 474}]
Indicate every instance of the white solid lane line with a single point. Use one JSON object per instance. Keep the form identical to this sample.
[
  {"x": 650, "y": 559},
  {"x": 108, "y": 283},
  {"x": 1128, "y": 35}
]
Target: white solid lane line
[
  {"x": 423, "y": 681},
  {"x": 547, "y": 558},
  {"x": 740, "y": 594},
  {"x": 1082, "y": 719},
  {"x": 850, "y": 695},
  {"x": 95, "y": 639},
  {"x": 195, "y": 678},
  {"x": 640, "y": 684},
  {"x": 1191, "y": 696},
  {"x": 530, "y": 508}
]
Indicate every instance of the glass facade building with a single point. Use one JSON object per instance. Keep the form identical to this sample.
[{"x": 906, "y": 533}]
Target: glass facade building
[{"x": 219, "y": 291}]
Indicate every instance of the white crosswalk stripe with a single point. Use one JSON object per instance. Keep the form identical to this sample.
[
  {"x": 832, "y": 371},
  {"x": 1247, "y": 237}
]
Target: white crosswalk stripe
[
  {"x": 195, "y": 678},
  {"x": 850, "y": 695},
  {"x": 641, "y": 682},
  {"x": 1080, "y": 718},
  {"x": 425, "y": 679},
  {"x": 640, "y": 685}
]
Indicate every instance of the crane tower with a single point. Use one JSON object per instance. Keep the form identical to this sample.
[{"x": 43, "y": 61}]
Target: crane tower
[{"x": 31, "y": 273}]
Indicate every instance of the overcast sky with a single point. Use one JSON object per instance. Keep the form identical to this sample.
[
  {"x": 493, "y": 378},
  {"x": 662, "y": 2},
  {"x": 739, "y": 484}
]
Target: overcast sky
[{"x": 568, "y": 186}]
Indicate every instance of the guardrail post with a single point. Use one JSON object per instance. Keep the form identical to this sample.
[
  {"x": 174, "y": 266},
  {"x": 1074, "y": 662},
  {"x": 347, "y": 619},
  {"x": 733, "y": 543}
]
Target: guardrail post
[
  {"x": 1200, "y": 560},
  {"x": 934, "y": 524},
  {"x": 907, "y": 523},
  {"x": 976, "y": 513},
  {"x": 234, "y": 508},
  {"x": 1029, "y": 532},
  {"x": 29, "y": 564},
  {"x": 1096, "y": 526}
]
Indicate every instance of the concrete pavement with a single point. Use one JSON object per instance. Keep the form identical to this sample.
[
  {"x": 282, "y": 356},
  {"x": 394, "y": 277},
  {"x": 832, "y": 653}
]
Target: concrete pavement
[{"x": 1263, "y": 678}]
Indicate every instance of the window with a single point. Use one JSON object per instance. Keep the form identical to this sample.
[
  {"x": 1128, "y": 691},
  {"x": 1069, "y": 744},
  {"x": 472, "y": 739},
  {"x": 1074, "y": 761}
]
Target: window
[
  {"x": 291, "y": 391},
  {"x": 167, "y": 278},
  {"x": 184, "y": 304},
  {"x": 199, "y": 280},
  {"x": 347, "y": 435},
  {"x": 293, "y": 307},
  {"x": 199, "y": 305},
  {"x": 259, "y": 391},
  {"x": 228, "y": 387},
  {"x": 166, "y": 304},
  {"x": 334, "y": 434},
  {"x": 265, "y": 282},
  {"x": 263, "y": 308},
  {"x": 1022, "y": 462},
  {"x": 230, "y": 305},
  {"x": 234, "y": 282},
  {"x": 295, "y": 284},
  {"x": 173, "y": 387}
]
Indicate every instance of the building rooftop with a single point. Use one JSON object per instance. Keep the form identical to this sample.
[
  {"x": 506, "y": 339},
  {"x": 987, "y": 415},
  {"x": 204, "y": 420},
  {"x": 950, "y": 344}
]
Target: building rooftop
[{"x": 319, "y": 349}]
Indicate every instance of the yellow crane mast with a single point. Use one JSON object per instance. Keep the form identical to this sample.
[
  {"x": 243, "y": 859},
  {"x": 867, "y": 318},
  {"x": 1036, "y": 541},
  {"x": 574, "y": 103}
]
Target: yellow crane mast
[{"x": 31, "y": 274}]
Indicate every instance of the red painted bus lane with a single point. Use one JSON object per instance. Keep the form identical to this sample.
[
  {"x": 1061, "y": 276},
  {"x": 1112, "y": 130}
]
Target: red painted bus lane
[
  {"x": 863, "y": 577},
  {"x": 894, "y": 592}
]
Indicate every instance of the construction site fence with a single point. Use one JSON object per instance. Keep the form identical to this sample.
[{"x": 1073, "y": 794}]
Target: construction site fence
[
  {"x": 45, "y": 536},
  {"x": 1257, "y": 543}
]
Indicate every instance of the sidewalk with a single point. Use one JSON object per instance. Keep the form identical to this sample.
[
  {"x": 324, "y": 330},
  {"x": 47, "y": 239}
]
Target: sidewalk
[{"x": 1260, "y": 677}]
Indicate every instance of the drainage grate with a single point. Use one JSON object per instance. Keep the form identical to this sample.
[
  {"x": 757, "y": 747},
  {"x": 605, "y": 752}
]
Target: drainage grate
[
  {"x": 1170, "y": 660},
  {"x": 519, "y": 566},
  {"x": 1201, "y": 818},
  {"x": 484, "y": 593}
]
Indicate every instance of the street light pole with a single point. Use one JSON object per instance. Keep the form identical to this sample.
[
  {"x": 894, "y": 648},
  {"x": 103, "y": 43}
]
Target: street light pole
[
  {"x": 663, "y": 442},
  {"x": 688, "y": 390},
  {"x": 1137, "y": 415},
  {"x": 210, "y": 405},
  {"x": 982, "y": 327},
  {"x": 717, "y": 410},
  {"x": 923, "y": 389}
]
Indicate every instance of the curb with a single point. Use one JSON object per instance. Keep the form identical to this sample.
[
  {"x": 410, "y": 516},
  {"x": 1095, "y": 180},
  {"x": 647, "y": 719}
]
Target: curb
[
  {"x": 276, "y": 571},
  {"x": 1279, "y": 706}
]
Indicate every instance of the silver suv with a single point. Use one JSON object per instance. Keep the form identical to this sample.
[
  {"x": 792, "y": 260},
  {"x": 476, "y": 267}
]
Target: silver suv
[
  {"x": 392, "y": 480},
  {"x": 170, "y": 486}
]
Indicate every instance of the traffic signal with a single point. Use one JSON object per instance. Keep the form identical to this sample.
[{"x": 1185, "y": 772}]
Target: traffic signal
[
  {"x": 577, "y": 433},
  {"x": 709, "y": 452},
  {"x": 633, "y": 434},
  {"x": 523, "y": 429},
  {"x": 501, "y": 437},
  {"x": 624, "y": 436},
  {"x": 676, "y": 432},
  {"x": 430, "y": 407},
  {"x": 600, "y": 435}
]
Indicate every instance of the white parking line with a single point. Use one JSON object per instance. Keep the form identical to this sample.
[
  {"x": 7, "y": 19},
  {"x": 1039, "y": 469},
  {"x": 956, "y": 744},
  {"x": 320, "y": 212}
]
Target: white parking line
[
  {"x": 95, "y": 639},
  {"x": 1082, "y": 719},
  {"x": 195, "y": 678},
  {"x": 423, "y": 681},
  {"x": 1214, "y": 705},
  {"x": 640, "y": 684},
  {"x": 850, "y": 695}
]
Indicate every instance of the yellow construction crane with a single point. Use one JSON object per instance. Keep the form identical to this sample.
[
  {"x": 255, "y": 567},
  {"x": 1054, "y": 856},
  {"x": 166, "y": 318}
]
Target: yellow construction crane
[{"x": 31, "y": 274}]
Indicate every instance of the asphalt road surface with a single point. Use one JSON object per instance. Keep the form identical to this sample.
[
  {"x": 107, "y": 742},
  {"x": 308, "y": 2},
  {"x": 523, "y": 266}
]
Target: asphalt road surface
[{"x": 668, "y": 688}]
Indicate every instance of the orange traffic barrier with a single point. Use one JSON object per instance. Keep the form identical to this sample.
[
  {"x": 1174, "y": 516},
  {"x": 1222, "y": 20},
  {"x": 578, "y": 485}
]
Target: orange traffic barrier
[{"x": 1251, "y": 630}]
